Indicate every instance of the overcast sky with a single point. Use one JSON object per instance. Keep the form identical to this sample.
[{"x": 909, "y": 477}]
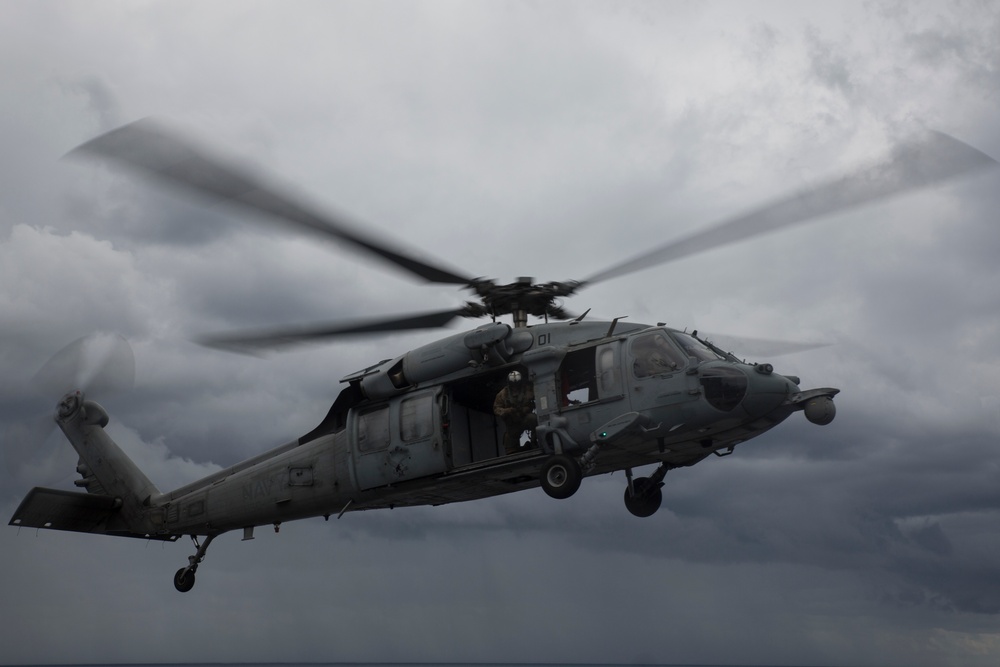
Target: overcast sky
[{"x": 544, "y": 139}]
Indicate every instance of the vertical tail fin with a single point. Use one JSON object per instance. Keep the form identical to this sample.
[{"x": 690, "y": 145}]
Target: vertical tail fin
[{"x": 106, "y": 469}]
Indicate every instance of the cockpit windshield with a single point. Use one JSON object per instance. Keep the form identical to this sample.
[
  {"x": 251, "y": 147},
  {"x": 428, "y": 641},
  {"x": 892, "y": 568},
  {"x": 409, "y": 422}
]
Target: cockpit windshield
[
  {"x": 695, "y": 348},
  {"x": 653, "y": 354}
]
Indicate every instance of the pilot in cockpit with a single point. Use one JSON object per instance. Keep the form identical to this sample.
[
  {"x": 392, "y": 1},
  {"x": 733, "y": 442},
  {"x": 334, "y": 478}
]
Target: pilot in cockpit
[{"x": 653, "y": 354}]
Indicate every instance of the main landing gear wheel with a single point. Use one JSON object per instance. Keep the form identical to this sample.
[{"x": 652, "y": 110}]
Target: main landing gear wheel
[
  {"x": 184, "y": 579},
  {"x": 643, "y": 497},
  {"x": 561, "y": 476}
]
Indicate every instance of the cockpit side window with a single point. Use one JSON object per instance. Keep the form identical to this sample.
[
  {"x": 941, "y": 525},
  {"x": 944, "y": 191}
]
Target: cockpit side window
[{"x": 654, "y": 354}]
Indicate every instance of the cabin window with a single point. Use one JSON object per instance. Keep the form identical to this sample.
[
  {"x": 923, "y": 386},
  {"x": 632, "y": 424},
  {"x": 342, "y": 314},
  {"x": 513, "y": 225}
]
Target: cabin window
[
  {"x": 416, "y": 418},
  {"x": 373, "y": 429},
  {"x": 653, "y": 354},
  {"x": 579, "y": 384}
]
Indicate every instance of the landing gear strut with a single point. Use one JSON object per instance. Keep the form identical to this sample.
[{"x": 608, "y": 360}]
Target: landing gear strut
[
  {"x": 184, "y": 579},
  {"x": 643, "y": 495}
]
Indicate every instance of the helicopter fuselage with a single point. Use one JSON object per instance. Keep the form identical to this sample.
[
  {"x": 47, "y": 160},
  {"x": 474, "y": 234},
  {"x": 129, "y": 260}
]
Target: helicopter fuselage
[
  {"x": 424, "y": 429},
  {"x": 420, "y": 429},
  {"x": 429, "y": 427}
]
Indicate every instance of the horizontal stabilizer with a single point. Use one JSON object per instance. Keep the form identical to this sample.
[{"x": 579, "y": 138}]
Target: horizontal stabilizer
[{"x": 78, "y": 512}]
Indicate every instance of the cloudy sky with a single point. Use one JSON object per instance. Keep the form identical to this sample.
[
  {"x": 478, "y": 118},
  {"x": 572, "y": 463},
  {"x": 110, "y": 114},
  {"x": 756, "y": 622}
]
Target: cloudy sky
[{"x": 545, "y": 139}]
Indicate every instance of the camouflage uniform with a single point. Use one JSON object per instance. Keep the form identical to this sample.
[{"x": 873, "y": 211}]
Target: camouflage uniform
[{"x": 514, "y": 404}]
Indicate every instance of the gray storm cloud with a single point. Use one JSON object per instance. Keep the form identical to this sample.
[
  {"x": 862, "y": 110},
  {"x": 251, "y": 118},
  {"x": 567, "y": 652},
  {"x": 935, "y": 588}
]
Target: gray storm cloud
[{"x": 511, "y": 139}]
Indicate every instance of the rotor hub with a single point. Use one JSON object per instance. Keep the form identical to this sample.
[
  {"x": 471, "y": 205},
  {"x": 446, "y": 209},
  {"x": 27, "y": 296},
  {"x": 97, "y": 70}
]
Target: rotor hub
[{"x": 522, "y": 298}]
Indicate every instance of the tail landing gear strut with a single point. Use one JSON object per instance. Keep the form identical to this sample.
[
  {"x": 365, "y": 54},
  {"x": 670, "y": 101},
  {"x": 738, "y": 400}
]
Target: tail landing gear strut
[{"x": 184, "y": 579}]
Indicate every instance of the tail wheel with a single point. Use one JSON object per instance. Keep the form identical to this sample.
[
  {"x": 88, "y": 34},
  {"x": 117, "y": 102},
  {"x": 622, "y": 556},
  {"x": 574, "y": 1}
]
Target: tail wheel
[
  {"x": 561, "y": 476},
  {"x": 184, "y": 579},
  {"x": 644, "y": 497}
]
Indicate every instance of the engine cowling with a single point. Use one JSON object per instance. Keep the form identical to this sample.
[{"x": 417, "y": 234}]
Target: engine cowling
[{"x": 491, "y": 344}]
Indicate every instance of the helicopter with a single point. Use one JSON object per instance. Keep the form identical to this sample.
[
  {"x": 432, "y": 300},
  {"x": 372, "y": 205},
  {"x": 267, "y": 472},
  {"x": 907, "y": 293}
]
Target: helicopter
[{"x": 500, "y": 408}]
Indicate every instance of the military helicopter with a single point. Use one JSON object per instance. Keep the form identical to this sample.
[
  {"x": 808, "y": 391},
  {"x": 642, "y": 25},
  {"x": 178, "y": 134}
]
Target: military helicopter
[{"x": 426, "y": 427}]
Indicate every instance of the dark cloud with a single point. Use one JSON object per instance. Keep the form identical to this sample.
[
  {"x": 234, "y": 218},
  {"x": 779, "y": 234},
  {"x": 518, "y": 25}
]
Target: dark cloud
[{"x": 513, "y": 139}]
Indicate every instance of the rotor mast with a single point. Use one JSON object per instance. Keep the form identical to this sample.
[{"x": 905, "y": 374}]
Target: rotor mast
[{"x": 519, "y": 311}]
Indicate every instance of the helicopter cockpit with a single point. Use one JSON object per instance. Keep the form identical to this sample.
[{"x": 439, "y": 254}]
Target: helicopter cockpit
[
  {"x": 663, "y": 352},
  {"x": 654, "y": 354},
  {"x": 695, "y": 348}
]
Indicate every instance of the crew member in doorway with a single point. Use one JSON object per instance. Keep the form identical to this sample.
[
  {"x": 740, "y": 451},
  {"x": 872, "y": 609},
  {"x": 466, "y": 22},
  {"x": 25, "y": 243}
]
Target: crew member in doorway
[{"x": 515, "y": 404}]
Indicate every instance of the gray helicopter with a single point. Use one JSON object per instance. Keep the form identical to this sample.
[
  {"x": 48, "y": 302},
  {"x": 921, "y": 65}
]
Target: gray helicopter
[{"x": 501, "y": 408}]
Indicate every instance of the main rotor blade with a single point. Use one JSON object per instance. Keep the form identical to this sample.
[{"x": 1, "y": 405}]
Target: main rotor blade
[
  {"x": 745, "y": 347},
  {"x": 261, "y": 341},
  {"x": 931, "y": 159},
  {"x": 152, "y": 148}
]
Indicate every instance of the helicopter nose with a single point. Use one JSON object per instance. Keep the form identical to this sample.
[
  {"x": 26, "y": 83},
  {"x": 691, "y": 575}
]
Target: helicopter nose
[{"x": 766, "y": 391}]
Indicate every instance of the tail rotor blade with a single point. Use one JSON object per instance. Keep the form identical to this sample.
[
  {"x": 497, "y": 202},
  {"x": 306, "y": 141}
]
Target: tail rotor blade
[
  {"x": 99, "y": 364},
  {"x": 108, "y": 365}
]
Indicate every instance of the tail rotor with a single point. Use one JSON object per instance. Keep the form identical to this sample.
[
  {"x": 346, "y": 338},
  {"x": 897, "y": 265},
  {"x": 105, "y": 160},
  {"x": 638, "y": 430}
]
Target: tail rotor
[{"x": 98, "y": 364}]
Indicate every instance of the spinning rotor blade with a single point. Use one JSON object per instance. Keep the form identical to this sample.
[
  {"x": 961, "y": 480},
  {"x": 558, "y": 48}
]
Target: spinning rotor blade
[
  {"x": 932, "y": 159},
  {"x": 151, "y": 148},
  {"x": 257, "y": 342},
  {"x": 744, "y": 347},
  {"x": 100, "y": 363}
]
